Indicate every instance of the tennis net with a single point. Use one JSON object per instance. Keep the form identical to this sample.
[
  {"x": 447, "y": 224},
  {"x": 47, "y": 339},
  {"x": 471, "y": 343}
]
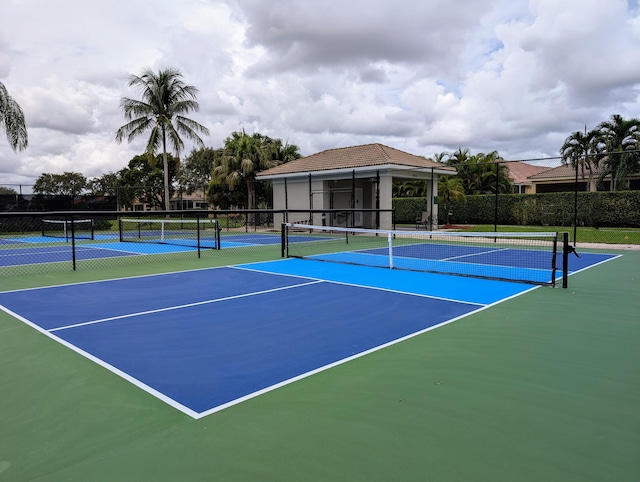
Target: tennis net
[
  {"x": 64, "y": 228},
  {"x": 522, "y": 257},
  {"x": 194, "y": 233}
]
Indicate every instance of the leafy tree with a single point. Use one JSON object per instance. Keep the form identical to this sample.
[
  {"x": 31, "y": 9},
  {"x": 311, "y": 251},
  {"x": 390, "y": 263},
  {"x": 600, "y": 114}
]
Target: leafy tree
[
  {"x": 221, "y": 196},
  {"x": 12, "y": 120},
  {"x": 450, "y": 189},
  {"x": 105, "y": 185},
  {"x": 245, "y": 155},
  {"x": 580, "y": 151},
  {"x": 143, "y": 180},
  {"x": 8, "y": 190},
  {"x": 618, "y": 140},
  {"x": 67, "y": 184},
  {"x": 197, "y": 168},
  {"x": 166, "y": 100}
]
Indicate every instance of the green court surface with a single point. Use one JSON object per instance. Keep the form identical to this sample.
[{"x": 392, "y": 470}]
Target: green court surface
[{"x": 542, "y": 387}]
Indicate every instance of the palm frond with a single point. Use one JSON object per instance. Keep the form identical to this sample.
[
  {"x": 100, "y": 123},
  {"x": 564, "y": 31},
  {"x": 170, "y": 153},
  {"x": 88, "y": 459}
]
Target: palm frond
[{"x": 12, "y": 117}]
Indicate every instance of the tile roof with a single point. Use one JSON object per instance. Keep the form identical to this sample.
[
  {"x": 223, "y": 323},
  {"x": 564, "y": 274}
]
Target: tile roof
[
  {"x": 368, "y": 155},
  {"x": 519, "y": 171},
  {"x": 565, "y": 171}
]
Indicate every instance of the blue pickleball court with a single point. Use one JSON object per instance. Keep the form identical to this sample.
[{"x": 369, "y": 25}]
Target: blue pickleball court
[{"x": 207, "y": 339}]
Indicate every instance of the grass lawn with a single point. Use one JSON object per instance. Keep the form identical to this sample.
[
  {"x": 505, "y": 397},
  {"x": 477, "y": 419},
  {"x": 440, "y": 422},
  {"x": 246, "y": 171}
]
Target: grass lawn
[{"x": 583, "y": 235}]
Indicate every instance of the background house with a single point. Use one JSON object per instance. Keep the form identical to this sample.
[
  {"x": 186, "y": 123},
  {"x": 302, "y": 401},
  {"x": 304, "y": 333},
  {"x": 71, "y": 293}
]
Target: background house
[
  {"x": 519, "y": 173},
  {"x": 351, "y": 177},
  {"x": 563, "y": 178}
]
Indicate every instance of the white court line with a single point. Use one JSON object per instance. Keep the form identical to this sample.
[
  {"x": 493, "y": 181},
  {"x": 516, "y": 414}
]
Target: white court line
[
  {"x": 31, "y": 253},
  {"x": 109, "y": 280},
  {"x": 143, "y": 386},
  {"x": 475, "y": 254},
  {"x": 355, "y": 285},
  {"x": 349, "y": 358},
  {"x": 179, "y": 307}
]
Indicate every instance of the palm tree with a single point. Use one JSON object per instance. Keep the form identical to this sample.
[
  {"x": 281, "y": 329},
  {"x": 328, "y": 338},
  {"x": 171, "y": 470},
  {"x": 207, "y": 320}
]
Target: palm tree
[
  {"x": 246, "y": 155},
  {"x": 580, "y": 150},
  {"x": 618, "y": 141},
  {"x": 477, "y": 173},
  {"x": 12, "y": 119},
  {"x": 286, "y": 152},
  {"x": 460, "y": 156},
  {"x": 450, "y": 189},
  {"x": 165, "y": 100}
]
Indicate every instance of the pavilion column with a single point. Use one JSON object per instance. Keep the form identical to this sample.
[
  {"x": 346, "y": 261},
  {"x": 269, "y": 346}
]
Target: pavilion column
[{"x": 386, "y": 200}]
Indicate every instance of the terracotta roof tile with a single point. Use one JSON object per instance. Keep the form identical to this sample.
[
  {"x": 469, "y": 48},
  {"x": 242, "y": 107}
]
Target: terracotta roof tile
[
  {"x": 353, "y": 157},
  {"x": 565, "y": 171},
  {"x": 520, "y": 171}
]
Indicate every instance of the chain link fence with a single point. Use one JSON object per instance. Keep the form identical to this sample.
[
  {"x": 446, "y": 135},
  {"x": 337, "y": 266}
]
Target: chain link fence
[{"x": 49, "y": 242}]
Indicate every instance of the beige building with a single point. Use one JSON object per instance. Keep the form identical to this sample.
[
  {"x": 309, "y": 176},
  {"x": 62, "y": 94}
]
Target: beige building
[
  {"x": 563, "y": 178},
  {"x": 358, "y": 177},
  {"x": 519, "y": 173}
]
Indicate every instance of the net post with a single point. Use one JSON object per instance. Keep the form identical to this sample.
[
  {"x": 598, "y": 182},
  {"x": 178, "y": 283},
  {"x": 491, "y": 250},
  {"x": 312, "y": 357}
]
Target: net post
[
  {"x": 73, "y": 242},
  {"x": 198, "y": 233},
  {"x": 390, "y": 242},
  {"x": 565, "y": 260},
  {"x": 554, "y": 261},
  {"x": 283, "y": 239},
  {"x": 218, "y": 229},
  {"x": 120, "y": 229}
]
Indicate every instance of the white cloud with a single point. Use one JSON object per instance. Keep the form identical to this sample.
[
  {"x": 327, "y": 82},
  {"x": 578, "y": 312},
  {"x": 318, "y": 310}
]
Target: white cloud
[{"x": 515, "y": 76}]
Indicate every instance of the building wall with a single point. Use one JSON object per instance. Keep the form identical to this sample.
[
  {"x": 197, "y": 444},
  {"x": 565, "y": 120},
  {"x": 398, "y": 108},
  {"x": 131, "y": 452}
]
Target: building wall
[{"x": 337, "y": 194}]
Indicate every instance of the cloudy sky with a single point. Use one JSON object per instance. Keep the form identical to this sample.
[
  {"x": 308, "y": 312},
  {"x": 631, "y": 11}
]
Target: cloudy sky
[{"x": 516, "y": 76}]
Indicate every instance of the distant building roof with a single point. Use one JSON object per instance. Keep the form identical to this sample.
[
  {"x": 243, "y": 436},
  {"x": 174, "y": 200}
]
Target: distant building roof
[
  {"x": 519, "y": 171},
  {"x": 561, "y": 172},
  {"x": 369, "y": 155}
]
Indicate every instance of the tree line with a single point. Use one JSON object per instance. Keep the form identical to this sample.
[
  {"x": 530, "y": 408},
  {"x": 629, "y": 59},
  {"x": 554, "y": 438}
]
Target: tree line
[
  {"x": 610, "y": 151},
  {"x": 152, "y": 177},
  {"x": 224, "y": 176}
]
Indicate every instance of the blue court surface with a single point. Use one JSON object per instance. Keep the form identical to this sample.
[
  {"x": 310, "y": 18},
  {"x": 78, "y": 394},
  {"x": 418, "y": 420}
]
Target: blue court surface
[
  {"x": 207, "y": 339},
  {"x": 63, "y": 253},
  {"x": 39, "y": 250},
  {"x": 248, "y": 239}
]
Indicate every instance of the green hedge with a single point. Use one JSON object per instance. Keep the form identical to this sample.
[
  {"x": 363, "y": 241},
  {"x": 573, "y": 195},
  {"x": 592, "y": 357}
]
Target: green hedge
[
  {"x": 614, "y": 209},
  {"x": 408, "y": 209}
]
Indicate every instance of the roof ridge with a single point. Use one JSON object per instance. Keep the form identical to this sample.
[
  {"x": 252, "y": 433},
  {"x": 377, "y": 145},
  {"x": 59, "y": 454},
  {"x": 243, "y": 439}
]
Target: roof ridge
[
  {"x": 383, "y": 149},
  {"x": 351, "y": 157},
  {"x": 345, "y": 147}
]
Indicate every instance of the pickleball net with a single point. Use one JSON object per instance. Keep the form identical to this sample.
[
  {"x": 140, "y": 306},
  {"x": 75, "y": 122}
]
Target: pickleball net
[
  {"x": 195, "y": 233},
  {"x": 521, "y": 257},
  {"x": 65, "y": 228}
]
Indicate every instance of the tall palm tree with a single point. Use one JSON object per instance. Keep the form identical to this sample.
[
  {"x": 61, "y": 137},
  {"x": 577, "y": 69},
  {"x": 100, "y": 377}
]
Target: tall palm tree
[
  {"x": 579, "y": 150},
  {"x": 246, "y": 155},
  {"x": 12, "y": 119},
  {"x": 165, "y": 100},
  {"x": 618, "y": 139}
]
